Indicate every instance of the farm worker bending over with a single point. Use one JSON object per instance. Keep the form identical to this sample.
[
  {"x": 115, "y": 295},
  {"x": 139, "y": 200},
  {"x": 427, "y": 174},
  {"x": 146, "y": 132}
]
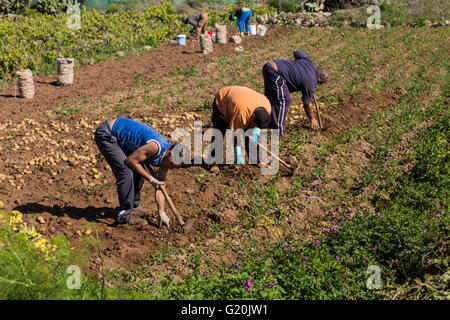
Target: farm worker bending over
[
  {"x": 199, "y": 21},
  {"x": 242, "y": 16},
  {"x": 237, "y": 107},
  {"x": 282, "y": 77},
  {"x": 128, "y": 147}
]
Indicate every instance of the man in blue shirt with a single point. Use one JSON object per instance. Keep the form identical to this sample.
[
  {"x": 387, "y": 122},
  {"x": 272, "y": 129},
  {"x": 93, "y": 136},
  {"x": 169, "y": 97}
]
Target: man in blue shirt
[
  {"x": 129, "y": 146},
  {"x": 283, "y": 77}
]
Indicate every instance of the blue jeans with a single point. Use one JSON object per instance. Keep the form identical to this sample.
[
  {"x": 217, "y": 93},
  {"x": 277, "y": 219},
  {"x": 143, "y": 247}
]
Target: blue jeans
[
  {"x": 245, "y": 18},
  {"x": 129, "y": 183}
]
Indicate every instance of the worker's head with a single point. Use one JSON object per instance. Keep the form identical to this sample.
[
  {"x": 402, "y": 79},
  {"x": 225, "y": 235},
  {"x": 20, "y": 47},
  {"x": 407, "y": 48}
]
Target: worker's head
[
  {"x": 167, "y": 161},
  {"x": 324, "y": 75},
  {"x": 261, "y": 118},
  {"x": 185, "y": 20}
]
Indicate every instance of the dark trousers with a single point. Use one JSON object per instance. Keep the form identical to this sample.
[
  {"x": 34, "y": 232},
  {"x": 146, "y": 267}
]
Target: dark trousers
[
  {"x": 218, "y": 120},
  {"x": 129, "y": 184},
  {"x": 277, "y": 91}
]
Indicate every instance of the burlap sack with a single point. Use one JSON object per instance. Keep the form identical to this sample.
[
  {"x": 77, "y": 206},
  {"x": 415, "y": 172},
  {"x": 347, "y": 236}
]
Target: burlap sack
[
  {"x": 65, "y": 71},
  {"x": 235, "y": 39},
  {"x": 221, "y": 33},
  {"x": 25, "y": 83},
  {"x": 206, "y": 43}
]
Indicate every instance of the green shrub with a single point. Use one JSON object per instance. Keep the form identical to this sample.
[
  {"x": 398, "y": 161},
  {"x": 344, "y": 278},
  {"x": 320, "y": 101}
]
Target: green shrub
[
  {"x": 47, "y": 6},
  {"x": 14, "y": 6}
]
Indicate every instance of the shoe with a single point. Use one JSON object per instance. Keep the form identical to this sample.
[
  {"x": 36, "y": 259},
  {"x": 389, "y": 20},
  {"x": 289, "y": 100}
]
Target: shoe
[
  {"x": 123, "y": 216},
  {"x": 127, "y": 216},
  {"x": 136, "y": 221},
  {"x": 163, "y": 219}
]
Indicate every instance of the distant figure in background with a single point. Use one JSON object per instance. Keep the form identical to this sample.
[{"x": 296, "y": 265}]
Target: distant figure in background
[
  {"x": 199, "y": 22},
  {"x": 242, "y": 16}
]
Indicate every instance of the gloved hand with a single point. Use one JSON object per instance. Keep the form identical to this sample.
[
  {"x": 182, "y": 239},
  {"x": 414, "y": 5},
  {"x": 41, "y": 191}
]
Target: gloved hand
[
  {"x": 155, "y": 182},
  {"x": 238, "y": 154},
  {"x": 255, "y": 135}
]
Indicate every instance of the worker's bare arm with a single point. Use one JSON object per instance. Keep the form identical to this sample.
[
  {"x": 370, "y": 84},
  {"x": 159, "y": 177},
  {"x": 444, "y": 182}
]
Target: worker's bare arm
[
  {"x": 309, "y": 112},
  {"x": 143, "y": 153}
]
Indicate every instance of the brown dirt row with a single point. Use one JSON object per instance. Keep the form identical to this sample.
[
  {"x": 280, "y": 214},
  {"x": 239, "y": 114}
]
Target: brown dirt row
[{"x": 43, "y": 178}]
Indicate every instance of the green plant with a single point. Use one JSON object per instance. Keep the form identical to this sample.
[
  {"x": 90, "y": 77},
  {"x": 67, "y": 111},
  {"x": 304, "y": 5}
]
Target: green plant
[
  {"x": 14, "y": 6},
  {"x": 47, "y": 6}
]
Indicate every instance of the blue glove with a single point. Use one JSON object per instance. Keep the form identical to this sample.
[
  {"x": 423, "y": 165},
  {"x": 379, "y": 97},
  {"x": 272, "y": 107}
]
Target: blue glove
[
  {"x": 255, "y": 135},
  {"x": 239, "y": 158}
]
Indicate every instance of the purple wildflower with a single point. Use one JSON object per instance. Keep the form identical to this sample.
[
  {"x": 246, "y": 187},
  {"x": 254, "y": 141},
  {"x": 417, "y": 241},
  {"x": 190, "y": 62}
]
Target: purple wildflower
[
  {"x": 333, "y": 229},
  {"x": 153, "y": 282},
  {"x": 328, "y": 287},
  {"x": 433, "y": 214},
  {"x": 269, "y": 285},
  {"x": 375, "y": 248},
  {"x": 341, "y": 223},
  {"x": 442, "y": 207},
  {"x": 286, "y": 246},
  {"x": 344, "y": 276},
  {"x": 365, "y": 260},
  {"x": 248, "y": 284},
  {"x": 380, "y": 215},
  {"x": 237, "y": 266},
  {"x": 305, "y": 258},
  {"x": 383, "y": 244},
  {"x": 338, "y": 258},
  {"x": 325, "y": 231},
  {"x": 317, "y": 242}
]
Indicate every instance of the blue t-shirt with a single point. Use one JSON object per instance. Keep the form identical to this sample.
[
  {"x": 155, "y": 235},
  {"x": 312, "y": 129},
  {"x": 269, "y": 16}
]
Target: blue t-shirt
[
  {"x": 132, "y": 135},
  {"x": 300, "y": 74}
]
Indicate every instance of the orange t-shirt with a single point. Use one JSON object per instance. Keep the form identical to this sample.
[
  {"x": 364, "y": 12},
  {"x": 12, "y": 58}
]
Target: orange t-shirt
[{"x": 237, "y": 105}]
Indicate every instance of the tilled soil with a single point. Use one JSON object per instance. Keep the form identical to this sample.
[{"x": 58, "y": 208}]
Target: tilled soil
[{"x": 41, "y": 159}]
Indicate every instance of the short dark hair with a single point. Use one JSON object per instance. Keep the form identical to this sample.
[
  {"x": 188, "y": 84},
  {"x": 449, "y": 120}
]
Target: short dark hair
[
  {"x": 323, "y": 73},
  {"x": 261, "y": 118}
]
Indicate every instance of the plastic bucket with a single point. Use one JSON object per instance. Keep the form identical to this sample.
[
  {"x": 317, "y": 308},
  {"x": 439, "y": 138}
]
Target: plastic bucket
[
  {"x": 261, "y": 30},
  {"x": 181, "y": 39},
  {"x": 253, "y": 29}
]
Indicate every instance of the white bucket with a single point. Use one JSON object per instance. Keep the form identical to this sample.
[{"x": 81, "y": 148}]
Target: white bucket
[
  {"x": 181, "y": 39},
  {"x": 253, "y": 29},
  {"x": 261, "y": 30}
]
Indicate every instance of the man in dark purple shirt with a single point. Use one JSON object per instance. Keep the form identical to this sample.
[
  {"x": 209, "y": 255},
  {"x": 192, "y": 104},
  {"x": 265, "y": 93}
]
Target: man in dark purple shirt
[{"x": 283, "y": 77}]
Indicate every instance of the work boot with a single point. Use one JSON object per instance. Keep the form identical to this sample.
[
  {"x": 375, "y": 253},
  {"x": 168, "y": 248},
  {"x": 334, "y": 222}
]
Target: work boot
[
  {"x": 127, "y": 216},
  {"x": 134, "y": 220}
]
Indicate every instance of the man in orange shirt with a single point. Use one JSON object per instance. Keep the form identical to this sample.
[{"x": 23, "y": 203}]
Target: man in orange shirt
[{"x": 237, "y": 107}]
